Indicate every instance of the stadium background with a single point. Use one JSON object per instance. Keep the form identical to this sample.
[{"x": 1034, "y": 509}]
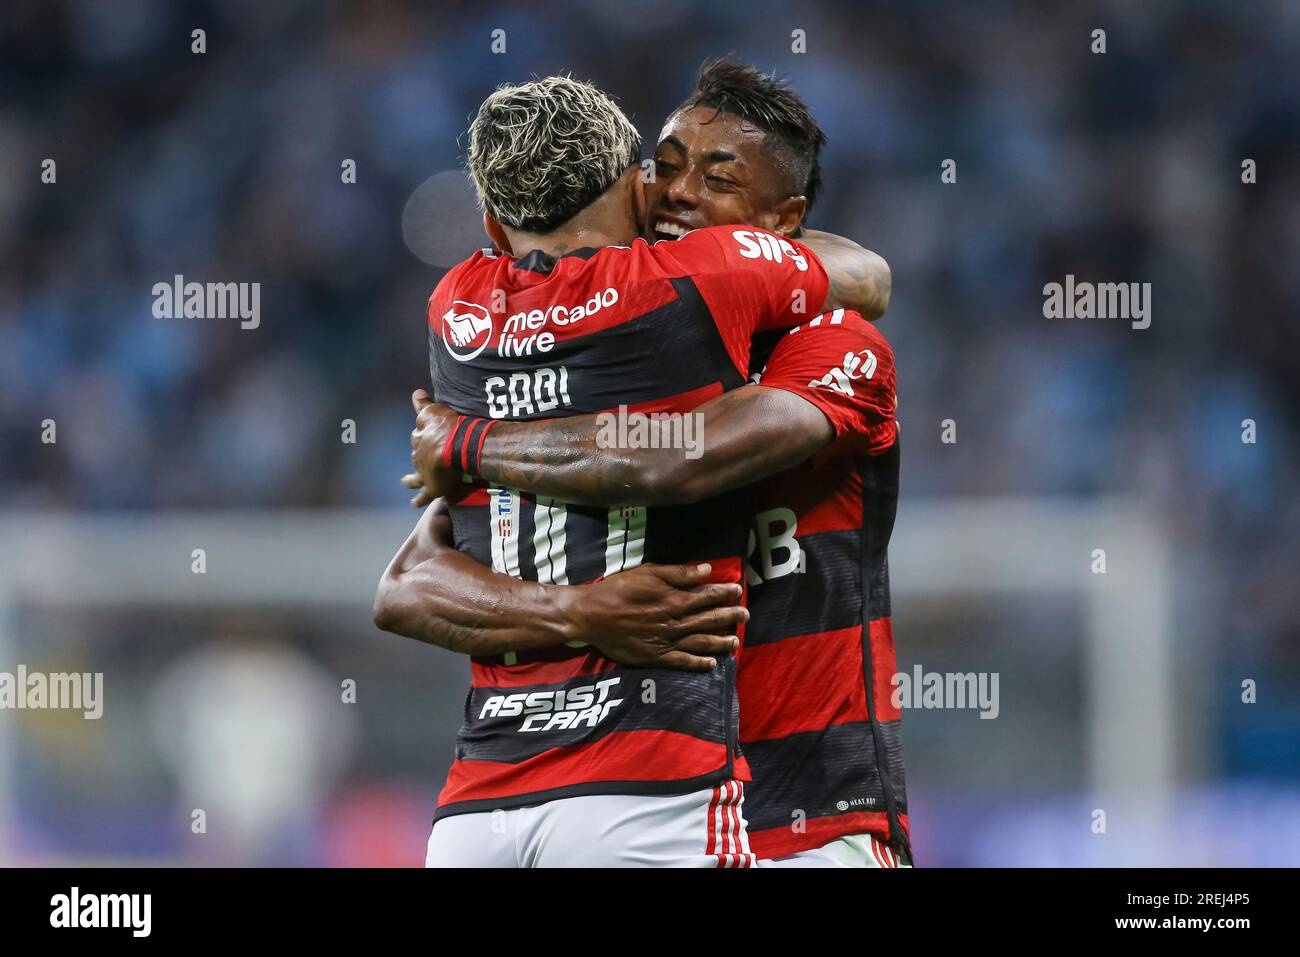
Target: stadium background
[{"x": 223, "y": 691}]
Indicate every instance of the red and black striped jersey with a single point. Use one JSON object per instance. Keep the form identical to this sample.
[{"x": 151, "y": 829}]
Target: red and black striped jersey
[
  {"x": 657, "y": 329},
  {"x": 817, "y": 723}
]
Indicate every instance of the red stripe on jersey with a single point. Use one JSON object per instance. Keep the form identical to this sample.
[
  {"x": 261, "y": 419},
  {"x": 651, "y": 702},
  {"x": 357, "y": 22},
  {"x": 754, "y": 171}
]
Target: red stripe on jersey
[
  {"x": 682, "y": 402},
  {"x": 826, "y": 497},
  {"x": 547, "y": 302},
  {"x": 846, "y": 369},
  {"x": 469, "y": 495},
  {"x": 883, "y": 668},
  {"x": 801, "y": 684},
  {"x": 621, "y": 756},
  {"x": 780, "y": 841},
  {"x": 737, "y": 286},
  {"x": 538, "y": 672}
]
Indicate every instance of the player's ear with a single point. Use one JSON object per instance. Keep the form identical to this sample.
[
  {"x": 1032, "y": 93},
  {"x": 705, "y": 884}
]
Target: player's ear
[
  {"x": 497, "y": 233},
  {"x": 638, "y": 198},
  {"x": 789, "y": 214},
  {"x": 629, "y": 189}
]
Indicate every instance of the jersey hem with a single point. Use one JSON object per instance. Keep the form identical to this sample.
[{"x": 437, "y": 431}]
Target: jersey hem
[
  {"x": 767, "y": 844},
  {"x": 591, "y": 788}
]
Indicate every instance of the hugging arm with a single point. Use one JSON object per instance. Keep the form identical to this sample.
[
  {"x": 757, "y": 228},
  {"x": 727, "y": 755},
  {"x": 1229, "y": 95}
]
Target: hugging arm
[
  {"x": 829, "y": 379},
  {"x": 859, "y": 279},
  {"x": 834, "y": 381},
  {"x": 743, "y": 435},
  {"x": 433, "y": 593},
  {"x": 653, "y": 615}
]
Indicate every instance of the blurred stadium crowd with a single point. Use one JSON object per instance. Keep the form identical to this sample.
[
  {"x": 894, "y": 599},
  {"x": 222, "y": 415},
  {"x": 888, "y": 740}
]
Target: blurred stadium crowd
[{"x": 1122, "y": 167}]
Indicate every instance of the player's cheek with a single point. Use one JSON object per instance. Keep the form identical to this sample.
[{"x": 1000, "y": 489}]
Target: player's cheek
[
  {"x": 728, "y": 209},
  {"x": 654, "y": 191}
]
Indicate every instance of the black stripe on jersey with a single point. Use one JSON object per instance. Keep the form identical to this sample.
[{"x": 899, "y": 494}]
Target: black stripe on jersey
[
  {"x": 761, "y": 348},
  {"x": 586, "y": 530},
  {"x": 527, "y": 528},
  {"x": 458, "y": 439},
  {"x": 689, "y": 295},
  {"x": 814, "y": 771},
  {"x": 703, "y": 531},
  {"x": 879, "y": 474},
  {"x": 880, "y": 605},
  {"x": 665, "y": 352},
  {"x": 825, "y": 596},
  {"x": 472, "y": 443},
  {"x": 706, "y": 531},
  {"x": 694, "y": 703},
  {"x": 470, "y": 531}
]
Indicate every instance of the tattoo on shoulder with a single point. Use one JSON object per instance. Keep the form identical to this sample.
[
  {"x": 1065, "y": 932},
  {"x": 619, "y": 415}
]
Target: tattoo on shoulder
[{"x": 864, "y": 286}]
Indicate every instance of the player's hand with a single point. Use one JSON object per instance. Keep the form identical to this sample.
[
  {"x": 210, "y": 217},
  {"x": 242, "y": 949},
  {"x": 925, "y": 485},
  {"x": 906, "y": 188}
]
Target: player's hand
[
  {"x": 433, "y": 427},
  {"x": 659, "y": 616}
]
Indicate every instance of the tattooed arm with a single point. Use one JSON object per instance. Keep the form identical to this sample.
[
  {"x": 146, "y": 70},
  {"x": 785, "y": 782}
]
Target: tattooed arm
[
  {"x": 751, "y": 433},
  {"x": 860, "y": 279},
  {"x": 830, "y": 379}
]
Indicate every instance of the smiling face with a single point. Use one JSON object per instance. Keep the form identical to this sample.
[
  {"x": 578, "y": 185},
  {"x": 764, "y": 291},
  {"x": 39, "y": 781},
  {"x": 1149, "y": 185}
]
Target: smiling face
[{"x": 712, "y": 169}]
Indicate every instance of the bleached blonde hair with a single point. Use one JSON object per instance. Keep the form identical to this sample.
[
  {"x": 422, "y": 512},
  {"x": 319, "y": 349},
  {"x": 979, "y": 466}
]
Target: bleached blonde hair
[{"x": 540, "y": 152}]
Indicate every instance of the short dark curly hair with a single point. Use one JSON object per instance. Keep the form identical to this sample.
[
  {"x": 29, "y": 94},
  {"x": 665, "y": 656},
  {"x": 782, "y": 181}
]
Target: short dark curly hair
[{"x": 793, "y": 136}]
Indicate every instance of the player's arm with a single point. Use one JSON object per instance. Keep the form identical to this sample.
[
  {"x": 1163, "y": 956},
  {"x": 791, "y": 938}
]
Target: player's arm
[
  {"x": 663, "y": 616},
  {"x": 475, "y": 615},
  {"x": 859, "y": 278},
  {"x": 747, "y": 434}
]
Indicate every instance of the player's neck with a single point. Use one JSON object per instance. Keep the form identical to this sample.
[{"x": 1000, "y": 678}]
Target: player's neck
[{"x": 609, "y": 221}]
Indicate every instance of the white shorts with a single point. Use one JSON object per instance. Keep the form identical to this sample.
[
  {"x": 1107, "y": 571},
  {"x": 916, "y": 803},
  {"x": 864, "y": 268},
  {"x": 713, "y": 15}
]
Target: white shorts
[
  {"x": 700, "y": 829},
  {"x": 854, "y": 850}
]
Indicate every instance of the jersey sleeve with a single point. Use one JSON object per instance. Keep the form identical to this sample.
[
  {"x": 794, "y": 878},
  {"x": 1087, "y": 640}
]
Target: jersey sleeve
[
  {"x": 843, "y": 365},
  {"x": 459, "y": 327},
  {"x": 751, "y": 280}
]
